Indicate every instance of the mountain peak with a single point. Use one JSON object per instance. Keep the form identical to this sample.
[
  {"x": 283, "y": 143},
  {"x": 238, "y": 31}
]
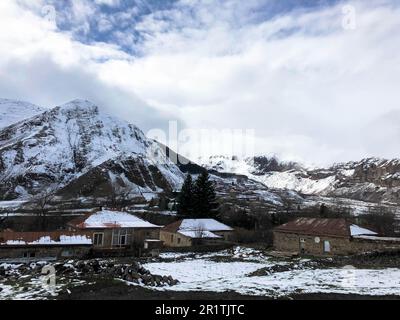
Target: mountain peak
[
  {"x": 13, "y": 111},
  {"x": 79, "y": 104},
  {"x": 75, "y": 140}
]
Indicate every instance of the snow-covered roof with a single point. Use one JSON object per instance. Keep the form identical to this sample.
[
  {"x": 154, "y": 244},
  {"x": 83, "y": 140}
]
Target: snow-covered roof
[
  {"x": 320, "y": 226},
  {"x": 203, "y": 224},
  {"x": 199, "y": 234},
  {"x": 55, "y": 238},
  {"x": 358, "y": 231},
  {"x": 113, "y": 219},
  {"x": 64, "y": 240}
]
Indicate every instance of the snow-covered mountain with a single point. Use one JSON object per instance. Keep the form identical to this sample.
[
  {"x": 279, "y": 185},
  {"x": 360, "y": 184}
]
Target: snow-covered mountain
[
  {"x": 75, "y": 141},
  {"x": 13, "y": 111},
  {"x": 371, "y": 179},
  {"x": 85, "y": 152}
]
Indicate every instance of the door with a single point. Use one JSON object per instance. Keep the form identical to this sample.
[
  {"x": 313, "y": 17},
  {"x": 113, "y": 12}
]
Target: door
[
  {"x": 327, "y": 246},
  {"x": 98, "y": 239},
  {"x": 302, "y": 244},
  {"x": 122, "y": 240}
]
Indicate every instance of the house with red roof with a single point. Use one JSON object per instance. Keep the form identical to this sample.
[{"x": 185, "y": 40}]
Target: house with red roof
[{"x": 118, "y": 232}]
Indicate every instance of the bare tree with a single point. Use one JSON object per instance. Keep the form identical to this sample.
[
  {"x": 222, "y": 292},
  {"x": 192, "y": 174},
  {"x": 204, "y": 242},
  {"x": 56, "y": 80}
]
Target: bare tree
[
  {"x": 199, "y": 231},
  {"x": 119, "y": 195},
  {"x": 42, "y": 203}
]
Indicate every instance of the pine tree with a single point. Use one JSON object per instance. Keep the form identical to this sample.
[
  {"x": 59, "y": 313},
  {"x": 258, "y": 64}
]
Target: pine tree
[
  {"x": 204, "y": 197},
  {"x": 186, "y": 198}
]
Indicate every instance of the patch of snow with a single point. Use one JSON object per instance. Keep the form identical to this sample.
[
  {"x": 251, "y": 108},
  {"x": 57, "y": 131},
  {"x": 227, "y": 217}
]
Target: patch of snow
[
  {"x": 64, "y": 240},
  {"x": 199, "y": 234},
  {"x": 202, "y": 274},
  {"x": 348, "y": 172},
  {"x": 357, "y": 231},
  {"x": 13, "y": 111},
  {"x": 11, "y": 204},
  {"x": 203, "y": 224}
]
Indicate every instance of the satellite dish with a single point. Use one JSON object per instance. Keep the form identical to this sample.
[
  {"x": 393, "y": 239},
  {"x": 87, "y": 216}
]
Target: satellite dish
[{"x": 317, "y": 240}]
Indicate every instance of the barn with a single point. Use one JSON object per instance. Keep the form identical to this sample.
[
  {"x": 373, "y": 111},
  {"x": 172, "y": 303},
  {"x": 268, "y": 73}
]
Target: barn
[{"x": 318, "y": 236}]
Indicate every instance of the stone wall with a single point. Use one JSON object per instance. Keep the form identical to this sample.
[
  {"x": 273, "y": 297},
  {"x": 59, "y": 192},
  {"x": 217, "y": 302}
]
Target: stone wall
[
  {"x": 312, "y": 245},
  {"x": 290, "y": 242},
  {"x": 173, "y": 239},
  {"x": 367, "y": 245},
  {"x": 43, "y": 252}
]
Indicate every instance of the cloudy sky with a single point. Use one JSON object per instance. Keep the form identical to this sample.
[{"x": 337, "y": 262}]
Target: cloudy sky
[{"x": 317, "y": 81}]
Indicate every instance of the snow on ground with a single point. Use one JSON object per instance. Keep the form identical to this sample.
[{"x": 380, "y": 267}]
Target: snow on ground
[
  {"x": 17, "y": 285},
  {"x": 287, "y": 180},
  {"x": 11, "y": 204},
  {"x": 356, "y": 207},
  {"x": 207, "y": 273},
  {"x": 291, "y": 181}
]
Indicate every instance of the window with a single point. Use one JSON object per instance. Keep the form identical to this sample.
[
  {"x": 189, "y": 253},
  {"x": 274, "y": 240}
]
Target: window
[
  {"x": 98, "y": 239},
  {"x": 122, "y": 239},
  {"x": 172, "y": 238},
  {"x": 179, "y": 240},
  {"x": 327, "y": 246}
]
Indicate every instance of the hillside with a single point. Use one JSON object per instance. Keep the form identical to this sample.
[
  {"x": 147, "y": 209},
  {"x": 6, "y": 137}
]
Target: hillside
[{"x": 372, "y": 179}]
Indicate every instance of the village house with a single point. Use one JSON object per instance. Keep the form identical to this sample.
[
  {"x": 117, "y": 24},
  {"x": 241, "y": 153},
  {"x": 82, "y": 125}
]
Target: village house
[
  {"x": 34, "y": 246},
  {"x": 116, "y": 232},
  {"x": 316, "y": 236},
  {"x": 190, "y": 232}
]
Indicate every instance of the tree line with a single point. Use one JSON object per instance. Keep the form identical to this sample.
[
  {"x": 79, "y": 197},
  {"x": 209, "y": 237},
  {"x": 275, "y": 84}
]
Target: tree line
[{"x": 197, "y": 199}]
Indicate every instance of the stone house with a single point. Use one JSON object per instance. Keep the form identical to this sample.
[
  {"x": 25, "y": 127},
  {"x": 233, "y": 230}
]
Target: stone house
[
  {"x": 316, "y": 236},
  {"x": 116, "y": 232},
  {"x": 34, "y": 246},
  {"x": 191, "y": 232}
]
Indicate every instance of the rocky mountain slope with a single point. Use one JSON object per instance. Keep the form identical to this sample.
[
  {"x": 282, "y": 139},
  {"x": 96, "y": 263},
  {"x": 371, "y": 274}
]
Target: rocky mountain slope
[
  {"x": 13, "y": 111},
  {"x": 78, "y": 142},
  {"x": 372, "y": 179}
]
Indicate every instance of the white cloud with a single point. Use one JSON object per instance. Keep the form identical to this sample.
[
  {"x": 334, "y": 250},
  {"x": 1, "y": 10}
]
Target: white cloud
[
  {"x": 111, "y": 3},
  {"x": 312, "y": 90}
]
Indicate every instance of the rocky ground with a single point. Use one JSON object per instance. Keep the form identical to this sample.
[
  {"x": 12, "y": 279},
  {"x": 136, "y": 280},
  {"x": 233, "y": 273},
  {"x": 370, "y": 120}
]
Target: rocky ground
[{"x": 35, "y": 280}]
